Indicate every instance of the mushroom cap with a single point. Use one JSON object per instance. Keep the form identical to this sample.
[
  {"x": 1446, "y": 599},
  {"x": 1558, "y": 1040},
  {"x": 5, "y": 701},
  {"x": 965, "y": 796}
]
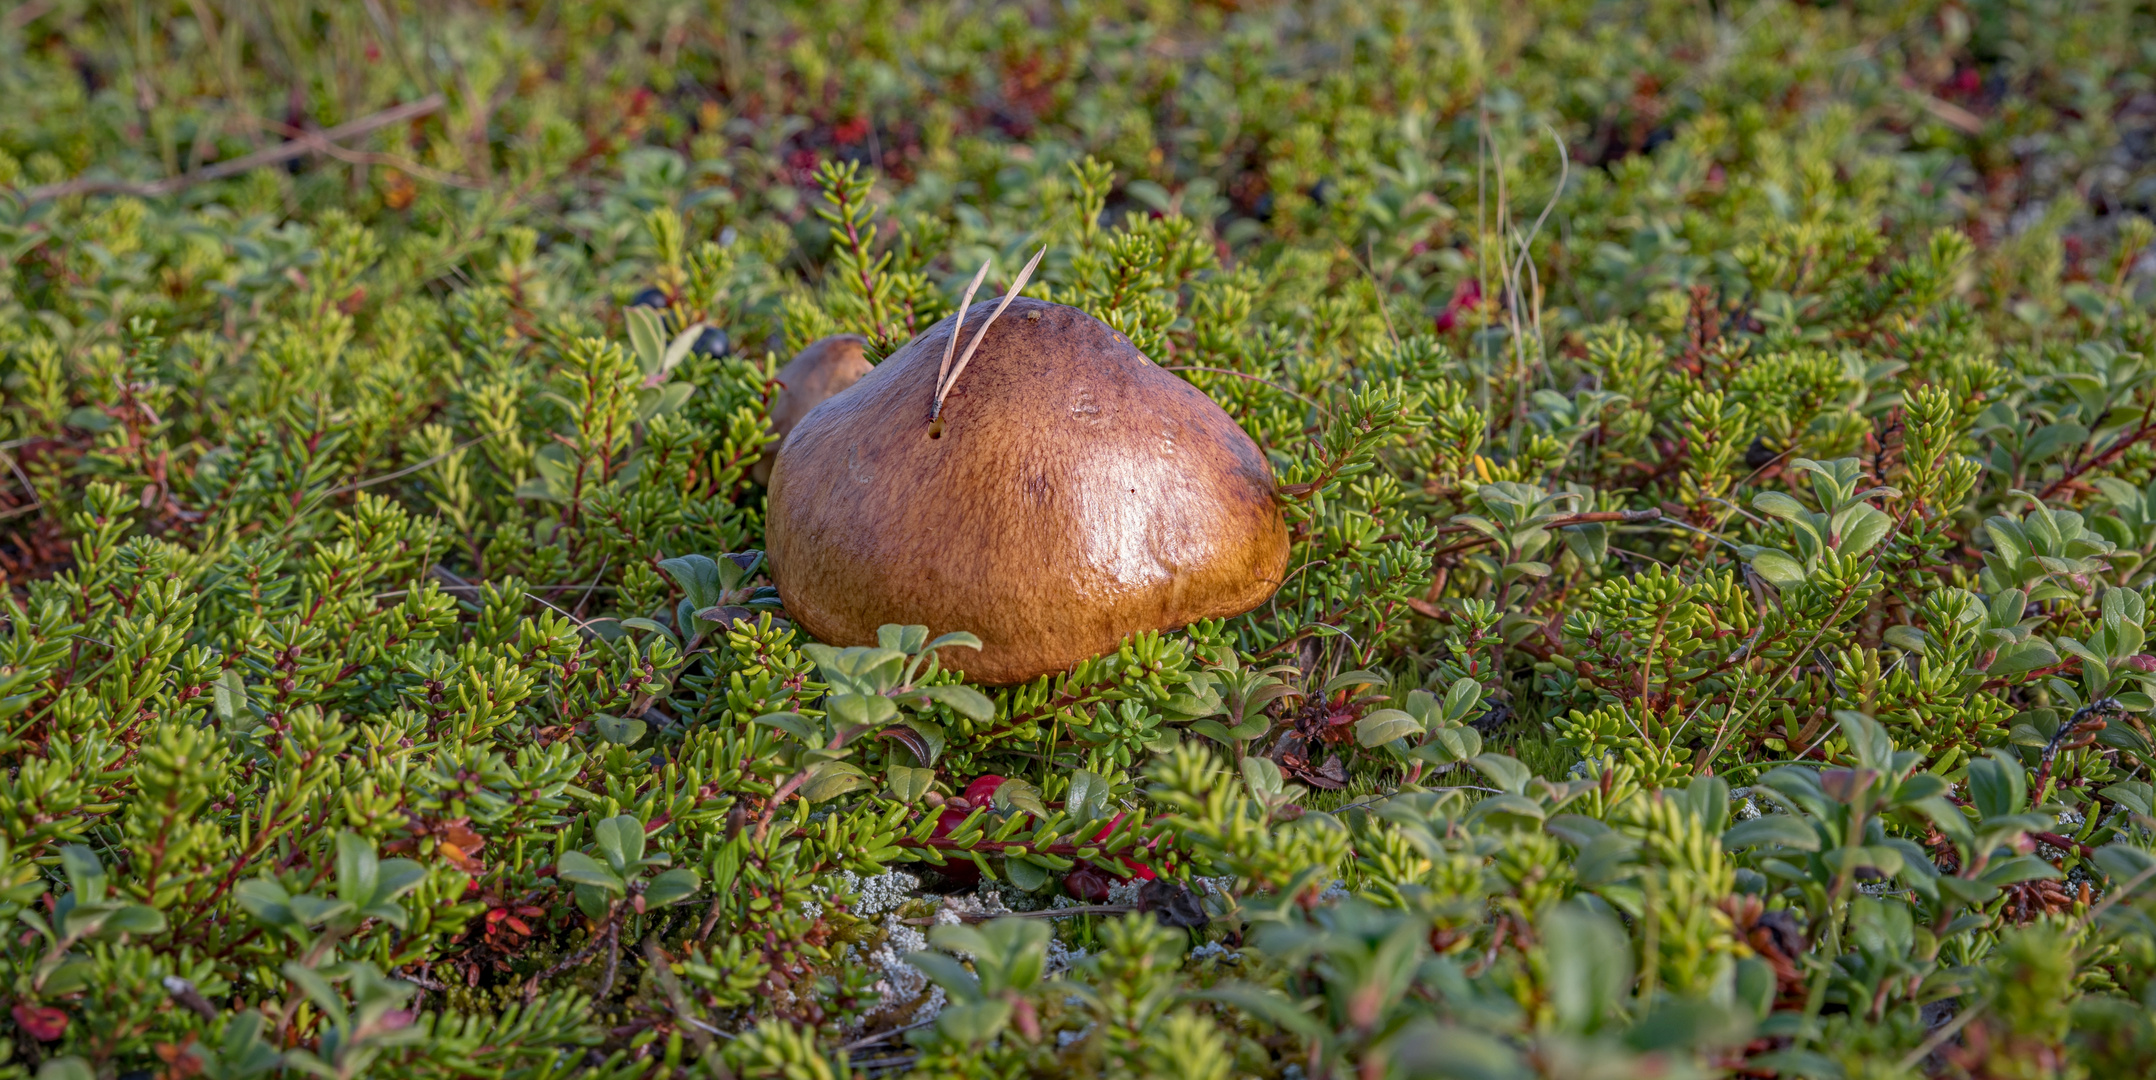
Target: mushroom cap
[
  {"x": 1076, "y": 494},
  {"x": 822, "y": 368}
]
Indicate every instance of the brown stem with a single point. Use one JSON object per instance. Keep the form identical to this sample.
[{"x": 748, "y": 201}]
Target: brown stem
[
  {"x": 2043, "y": 780},
  {"x": 2070, "y": 664},
  {"x": 1043, "y": 913},
  {"x": 27, "y": 14},
  {"x": 309, "y": 143},
  {"x": 365, "y": 157},
  {"x": 2111, "y": 453},
  {"x": 711, "y": 918},
  {"x": 613, "y": 962},
  {"x": 763, "y": 820},
  {"x": 2065, "y": 843}
]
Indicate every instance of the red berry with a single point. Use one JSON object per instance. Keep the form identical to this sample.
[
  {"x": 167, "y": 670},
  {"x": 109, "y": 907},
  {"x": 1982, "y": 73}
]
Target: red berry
[{"x": 982, "y": 789}]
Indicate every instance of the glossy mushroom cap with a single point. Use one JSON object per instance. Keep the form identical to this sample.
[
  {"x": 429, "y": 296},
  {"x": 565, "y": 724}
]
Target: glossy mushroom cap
[
  {"x": 825, "y": 367},
  {"x": 1075, "y": 494}
]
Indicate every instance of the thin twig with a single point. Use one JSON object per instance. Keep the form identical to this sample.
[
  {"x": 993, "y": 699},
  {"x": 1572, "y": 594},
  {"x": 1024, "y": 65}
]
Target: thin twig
[
  {"x": 1367, "y": 265},
  {"x": 871, "y": 1040},
  {"x": 1771, "y": 462},
  {"x": 675, "y": 999},
  {"x": 1938, "y": 1038},
  {"x": 603, "y": 564},
  {"x": 395, "y": 594},
  {"x": 2065, "y": 843},
  {"x": 27, "y": 487},
  {"x": 17, "y": 470},
  {"x": 369, "y": 157},
  {"x": 1050, "y": 913},
  {"x": 1640, "y": 555},
  {"x": 1954, "y": 115},
  {"x": 613, "y": 962},
  {"x": 311, "y": 142},
  {"x": 410, "y": 469},
  {"x": 582, "y": 624},
  {"x": 1312, "y": 402},
  {"x": 892, "y": 1062},
  {"x": 531, "y": 986},
  {"x": 1716, "y": 537},
  {"x": 2119, "y": 445},
  {"x": 454, "y": 583},
  {"x": 26, "y": 14},
  {"x": 1796, "y": 659}
]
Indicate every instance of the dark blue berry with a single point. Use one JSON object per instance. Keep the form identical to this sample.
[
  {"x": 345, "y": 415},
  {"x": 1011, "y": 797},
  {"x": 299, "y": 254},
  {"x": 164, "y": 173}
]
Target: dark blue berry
[{"x": 712, "y": 342}]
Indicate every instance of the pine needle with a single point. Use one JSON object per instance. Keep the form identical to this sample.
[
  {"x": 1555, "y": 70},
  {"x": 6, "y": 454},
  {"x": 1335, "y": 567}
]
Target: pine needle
[
  {"x": 960, "y": 367},
  {"x": 950, "y": 348}
]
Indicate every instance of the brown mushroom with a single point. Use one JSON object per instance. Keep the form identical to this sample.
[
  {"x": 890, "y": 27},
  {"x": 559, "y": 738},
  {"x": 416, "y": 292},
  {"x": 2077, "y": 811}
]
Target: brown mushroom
[
  {"x": 823, "y": 368},
  {"x": 1071, "y": 493}
]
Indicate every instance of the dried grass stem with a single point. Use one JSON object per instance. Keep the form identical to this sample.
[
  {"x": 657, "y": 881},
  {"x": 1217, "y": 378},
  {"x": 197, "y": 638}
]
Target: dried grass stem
[{"x": 944, "y": 383}]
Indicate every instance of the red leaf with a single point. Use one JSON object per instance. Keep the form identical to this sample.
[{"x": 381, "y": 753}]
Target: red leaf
[
  {"x": 40, "y": 1022},
  {"x": 1087, "y": 883}
]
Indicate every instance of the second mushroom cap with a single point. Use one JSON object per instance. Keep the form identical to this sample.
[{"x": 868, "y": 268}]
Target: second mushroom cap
[{"x": 820, "y": 370}]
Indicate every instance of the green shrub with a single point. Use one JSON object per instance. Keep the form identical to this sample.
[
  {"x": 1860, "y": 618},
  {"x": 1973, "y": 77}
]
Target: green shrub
[{"x": 1716, "y": 443}]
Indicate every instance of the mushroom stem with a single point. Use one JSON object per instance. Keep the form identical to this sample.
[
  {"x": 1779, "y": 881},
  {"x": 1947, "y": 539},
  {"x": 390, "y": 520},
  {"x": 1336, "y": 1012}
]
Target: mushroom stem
[
  {"x": 950, "y": 348},
  {"x": 943, "y": 387}
]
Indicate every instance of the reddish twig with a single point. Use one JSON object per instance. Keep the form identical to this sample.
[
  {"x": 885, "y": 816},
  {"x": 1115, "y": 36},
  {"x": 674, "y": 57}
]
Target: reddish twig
[
  {"x": 309, "y": 143},
  {"x": 2111, "y": 453},
  {"x": 2065, "y": 843}
]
